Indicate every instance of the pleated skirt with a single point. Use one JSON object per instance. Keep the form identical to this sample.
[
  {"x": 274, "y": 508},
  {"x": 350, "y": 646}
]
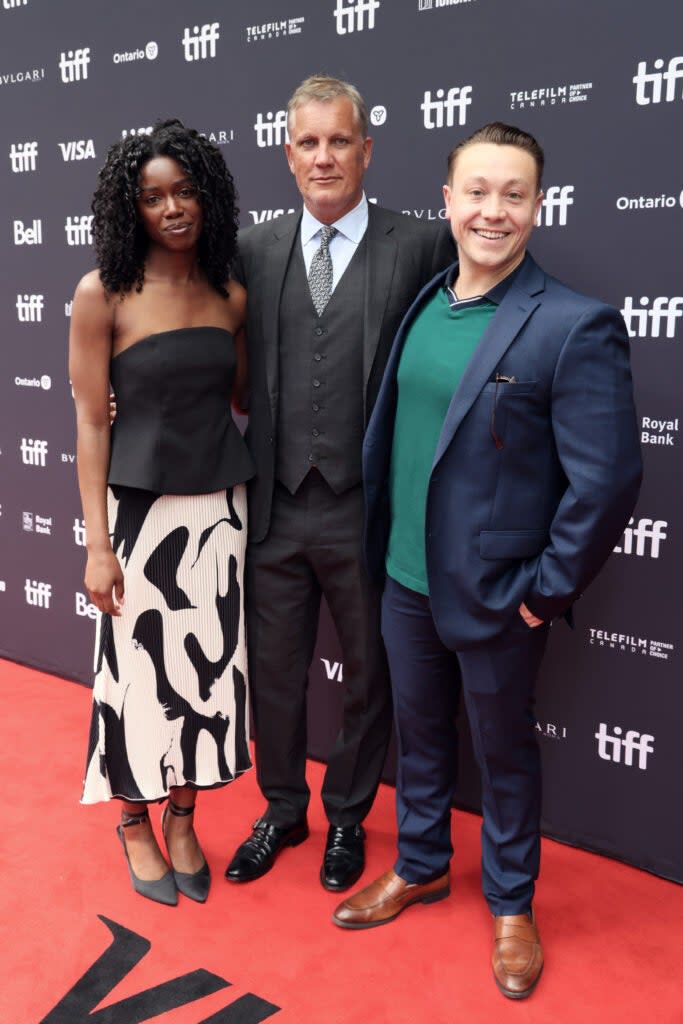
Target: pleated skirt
[{"x": 170, "y": 693}]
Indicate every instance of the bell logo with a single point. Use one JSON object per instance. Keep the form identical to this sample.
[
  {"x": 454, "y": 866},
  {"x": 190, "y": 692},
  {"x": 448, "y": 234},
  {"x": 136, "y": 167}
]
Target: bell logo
[
  {"x": 79, "y": 230},
  {"x": 200, "y": 43},
  {"x": 663, "y": 309},
  {"x": 23, "y": 156},
  {"x": 73, "y": 65},
  {"x": 28, "y": 236},
  {"x": 271, "y": 131},
  {"x": 647, "y": 534},
  {"x": 33, "y": 453},
  {"x": 556, "y": 197},
  {"x": 611, "y": 747},
  {"x": 38, "y": 593},
  {"x": 649, "y": 83},
  {"x": 83, "y": 607},
  {"x": 350, "y": 15},
  {"x": 440, "y": 112},
  {"x": 30, "y": 308}
]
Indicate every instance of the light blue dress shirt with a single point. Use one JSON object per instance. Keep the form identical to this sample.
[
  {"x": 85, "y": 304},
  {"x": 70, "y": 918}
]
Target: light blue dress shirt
[{"x": 350, "y": 230}]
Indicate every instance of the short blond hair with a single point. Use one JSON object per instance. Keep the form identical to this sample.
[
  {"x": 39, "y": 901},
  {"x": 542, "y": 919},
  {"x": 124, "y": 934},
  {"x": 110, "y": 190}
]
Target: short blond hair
[{"x": 323, "y": 89}]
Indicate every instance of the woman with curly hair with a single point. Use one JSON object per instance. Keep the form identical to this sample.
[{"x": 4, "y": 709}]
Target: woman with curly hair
[{"x": 163, "y": 495}]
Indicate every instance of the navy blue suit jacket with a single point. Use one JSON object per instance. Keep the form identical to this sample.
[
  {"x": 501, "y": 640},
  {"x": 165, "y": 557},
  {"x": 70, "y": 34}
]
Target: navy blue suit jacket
[{"x": 532, "y": 520}]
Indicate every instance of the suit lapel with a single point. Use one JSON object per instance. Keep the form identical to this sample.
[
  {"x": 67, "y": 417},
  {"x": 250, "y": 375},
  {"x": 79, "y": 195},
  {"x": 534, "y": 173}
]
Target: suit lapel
[
  {"x": 510, "y": 317},
  {"x": 380, "y": 261},
  {"x": 277, "y": 256}
]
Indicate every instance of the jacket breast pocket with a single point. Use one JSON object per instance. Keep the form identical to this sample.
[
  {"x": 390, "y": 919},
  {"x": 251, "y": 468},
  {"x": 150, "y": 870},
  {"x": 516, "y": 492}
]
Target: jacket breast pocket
[{"x": 512, "y": 543}]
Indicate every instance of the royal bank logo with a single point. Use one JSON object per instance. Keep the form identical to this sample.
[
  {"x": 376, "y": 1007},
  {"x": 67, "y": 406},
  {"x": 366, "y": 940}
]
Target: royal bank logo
[
  {"x": 73, "y": 65},
  {"x": 550, "y": 95},
  {"x": 30, "y": 308},
  {"x": 658, "y": 86},
  {"x": 658, "y": 319},
  {"x": 440, "y": 110},
  {"x": 433, "y": 5},
  {"x": 334, "y": 670},
  {"x": 629, "y": 749},
  {"x": 660, "y": 202},
  {"x": 79, "y": 532},
  {"x": 38, "y": 594},
  {"x": 23, "y": 157},
  {"x": 20, "y": 77},
  {"x": 271, "y": 130},
  {"x": 36, "y": 524},
  {"x": 275, "y": 29},
  {"x": 659, "y": 432},
  {"x": 261, "y": 216},
  {"x": 556, "y": 202},
  {"x": 355, "y": 15},
  {"x": 24, "y": 235},
  {"x": 33, "y": 451},
  {"x": 78, "y": 230},
  {"x": 77, "y": 149},
  {"x": 627, "y": 643},
  {"x": 643, "y": 538},
  {"x": 199, "y": 43},
  {"x": 150, "y": 52},
  {"x": 44, "y": 382}
]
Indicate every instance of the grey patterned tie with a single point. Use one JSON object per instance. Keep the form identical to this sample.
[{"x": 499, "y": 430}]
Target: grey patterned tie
[{"x": 320, "y": 274}]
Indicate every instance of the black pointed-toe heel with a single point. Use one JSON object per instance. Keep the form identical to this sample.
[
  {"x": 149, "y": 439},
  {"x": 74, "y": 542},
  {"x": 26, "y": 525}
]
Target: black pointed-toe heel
[
  {"x": 161, "y": 890},
  {"x": 196, "y": 885}
]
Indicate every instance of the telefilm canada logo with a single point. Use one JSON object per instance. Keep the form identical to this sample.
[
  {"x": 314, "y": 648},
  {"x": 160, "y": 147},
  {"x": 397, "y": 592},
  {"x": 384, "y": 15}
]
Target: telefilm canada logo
[
  {"x": 658, "y": 86},
  {"x": 150, "y": 51},
  {"x": 446, "y": 107},
  {"x": 662, "y": 433},
  {"x": 629, "y": 748},
  {"x": 275, "y": 29},
  {"x": 199, "y": 42},
  {"x": 355, "y": 15},
  {"x": 550, "y": 95},
  {"x": 30, "y": 308},
  {"x": 73, "y": 65},
  {"x": 656, "y": 318},
  {"x": 271, "y": 129},
  {"x": 628, "y": 643},
  {"x": 23, "y": 157}
]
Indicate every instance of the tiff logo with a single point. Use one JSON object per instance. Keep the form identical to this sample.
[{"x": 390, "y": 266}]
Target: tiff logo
[
  {"x": 556, "y": 197},
  {"x": 78, "y": 230},
  {"x": 23, "y": 156},
  {"x": 201, "y": 42},
  {"x": 38, "y": 593},
  {"x": 271, "y": 131},
  {"x": 647, "y": 534},
  {"x": 611, "y": 747},
  {"x": 30, "y": 308},
  {"x": 649, "y": 83},
  {"x": 28, "y": 236},
  {"x": 350, "y": 15},
  {"x": 663, "y": 309},
  {"x": 33, "y": 453},
  {"x": 443, "y": 110},
  {"x": 73, "y": 64},
  {"x": 79, "y": 532}
]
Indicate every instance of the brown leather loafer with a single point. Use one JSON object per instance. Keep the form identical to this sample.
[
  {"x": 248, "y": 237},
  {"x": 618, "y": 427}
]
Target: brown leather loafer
[
  {"x": 385, "y": 898},
  {"x": 517, "y": 955}
]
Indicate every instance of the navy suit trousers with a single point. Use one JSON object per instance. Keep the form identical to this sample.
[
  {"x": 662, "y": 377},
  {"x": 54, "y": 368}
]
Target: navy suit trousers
[{"x": 497, "y": 680}]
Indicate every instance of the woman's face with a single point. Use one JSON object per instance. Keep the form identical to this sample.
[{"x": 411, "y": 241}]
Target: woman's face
[{"x": 168, "y": 205}]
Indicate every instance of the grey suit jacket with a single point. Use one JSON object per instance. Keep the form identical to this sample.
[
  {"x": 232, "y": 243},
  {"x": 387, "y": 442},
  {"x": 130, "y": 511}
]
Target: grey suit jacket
[{"x": 402, "y": 255}]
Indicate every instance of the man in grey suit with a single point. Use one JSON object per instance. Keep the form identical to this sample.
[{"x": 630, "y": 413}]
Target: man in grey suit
[{"x": 327, "y": 289}]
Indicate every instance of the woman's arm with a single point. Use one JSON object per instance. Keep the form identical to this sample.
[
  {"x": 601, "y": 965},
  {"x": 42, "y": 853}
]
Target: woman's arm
[
  {"x": 90, "y": 340},
  {"x": 240, "y": 391}
]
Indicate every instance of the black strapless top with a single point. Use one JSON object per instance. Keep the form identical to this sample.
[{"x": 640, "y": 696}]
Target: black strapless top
[{"x": 174, "y": 432}]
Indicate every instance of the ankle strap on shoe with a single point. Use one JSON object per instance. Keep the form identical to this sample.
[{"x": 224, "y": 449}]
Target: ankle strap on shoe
[
  {"x": 180, "y": 812},
  {"x": 133, "y": 819}
]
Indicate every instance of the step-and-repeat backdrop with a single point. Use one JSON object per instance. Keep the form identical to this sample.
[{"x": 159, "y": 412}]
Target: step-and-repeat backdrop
[{"x": 600, "y": 85}]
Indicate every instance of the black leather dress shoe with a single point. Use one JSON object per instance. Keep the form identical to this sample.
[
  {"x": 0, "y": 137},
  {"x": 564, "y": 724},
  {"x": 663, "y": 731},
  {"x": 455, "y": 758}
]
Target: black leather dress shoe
[
  {"x": 344, "y": 858},
  {"x": 257, "y": 854}
]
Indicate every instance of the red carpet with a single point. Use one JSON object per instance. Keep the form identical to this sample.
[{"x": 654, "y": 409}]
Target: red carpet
[{"x": 267, "y": 950}]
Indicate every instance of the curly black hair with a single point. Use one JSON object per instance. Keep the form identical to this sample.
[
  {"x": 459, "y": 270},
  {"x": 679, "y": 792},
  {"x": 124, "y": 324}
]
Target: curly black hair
[{"x": 120, "y": 239}]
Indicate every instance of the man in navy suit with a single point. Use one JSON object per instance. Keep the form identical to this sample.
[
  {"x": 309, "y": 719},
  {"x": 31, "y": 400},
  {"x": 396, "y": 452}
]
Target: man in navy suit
[{"x": 501, "y": 464}]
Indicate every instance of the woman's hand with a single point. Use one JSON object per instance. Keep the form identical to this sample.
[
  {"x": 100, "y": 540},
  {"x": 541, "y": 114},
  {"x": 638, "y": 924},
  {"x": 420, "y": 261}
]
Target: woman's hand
[{"x": 104, "y": 581}]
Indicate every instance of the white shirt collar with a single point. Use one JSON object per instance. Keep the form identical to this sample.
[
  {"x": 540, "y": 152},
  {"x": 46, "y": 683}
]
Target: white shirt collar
[{"x": 352, "y": 224}]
